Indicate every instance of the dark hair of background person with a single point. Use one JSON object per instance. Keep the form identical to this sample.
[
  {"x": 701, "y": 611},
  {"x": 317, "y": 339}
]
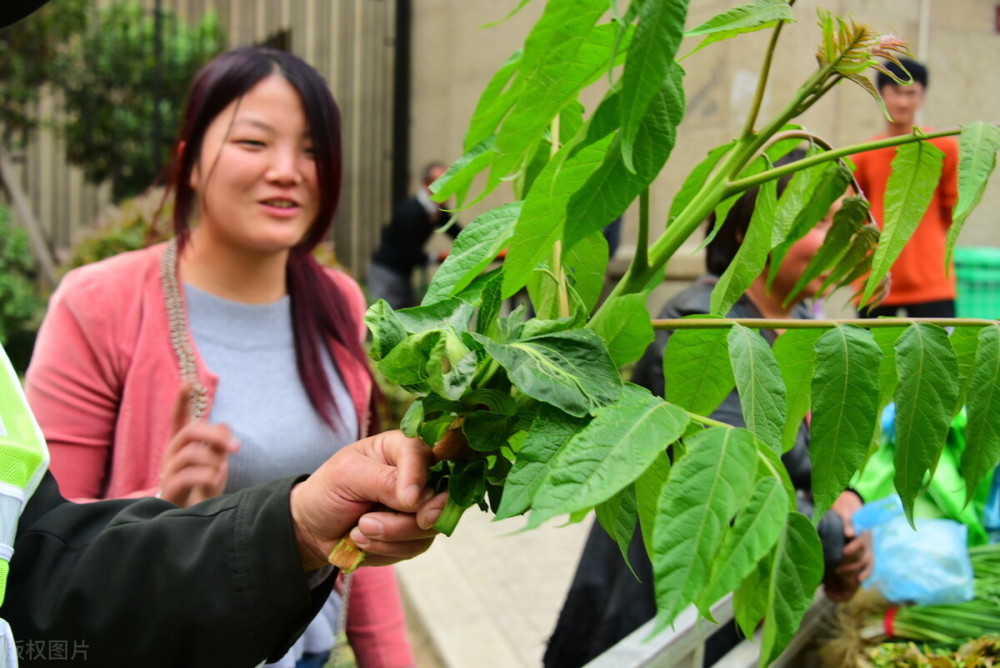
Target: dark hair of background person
[
  {"x": 721, "y": 250},
  {"x": 316, "y": 312},
  {"x": 917, "y": 71}
]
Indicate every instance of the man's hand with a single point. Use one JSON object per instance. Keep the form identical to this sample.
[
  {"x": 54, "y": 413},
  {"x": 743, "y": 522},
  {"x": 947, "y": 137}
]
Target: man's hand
[{"x": 374, "y": 489}]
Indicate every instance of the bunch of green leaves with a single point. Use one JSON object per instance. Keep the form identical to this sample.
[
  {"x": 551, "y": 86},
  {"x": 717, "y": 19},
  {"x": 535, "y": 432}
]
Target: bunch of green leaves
[
  {"x": 110, "y": 99},
  {"x": 19, "y": 298},
  {"x": 552, "y": 427}
]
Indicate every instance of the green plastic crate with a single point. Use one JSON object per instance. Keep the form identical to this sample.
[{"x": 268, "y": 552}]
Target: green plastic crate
[{"x": 978, "y": 274}]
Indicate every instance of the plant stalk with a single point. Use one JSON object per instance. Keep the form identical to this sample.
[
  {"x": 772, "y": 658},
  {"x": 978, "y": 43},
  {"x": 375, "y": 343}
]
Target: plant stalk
[
  {"x": 744, "y": 184},
  {"x": 765, "y": 73},
  {"x": 790, "y": 323}
]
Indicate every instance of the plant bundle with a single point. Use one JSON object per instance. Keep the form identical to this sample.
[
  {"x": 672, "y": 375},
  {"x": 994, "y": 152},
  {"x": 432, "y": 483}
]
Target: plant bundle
[
  {"x": 953, "y": 634},
  {"x": 533, "y": 412}
]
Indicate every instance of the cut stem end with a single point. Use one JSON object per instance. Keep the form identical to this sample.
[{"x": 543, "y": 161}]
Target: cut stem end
[{"x": 346, "y": 555}]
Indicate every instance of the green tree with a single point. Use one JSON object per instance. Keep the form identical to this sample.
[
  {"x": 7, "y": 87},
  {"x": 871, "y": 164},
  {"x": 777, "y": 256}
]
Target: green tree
[
  {"x": 111, "y": 96},
  {"x": 28, "y": 61}
]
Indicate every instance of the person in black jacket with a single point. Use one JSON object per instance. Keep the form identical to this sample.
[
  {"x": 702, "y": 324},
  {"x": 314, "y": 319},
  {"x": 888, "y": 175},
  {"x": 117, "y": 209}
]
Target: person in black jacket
[
  {"x": 401, "y": 250},
  {"x": 606, "y": 601},
  {"x": 231, "y": 581}
]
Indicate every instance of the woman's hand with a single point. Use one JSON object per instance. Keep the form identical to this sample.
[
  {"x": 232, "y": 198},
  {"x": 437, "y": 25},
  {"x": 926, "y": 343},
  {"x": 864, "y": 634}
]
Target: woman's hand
[{"x": 196, "y": 462}]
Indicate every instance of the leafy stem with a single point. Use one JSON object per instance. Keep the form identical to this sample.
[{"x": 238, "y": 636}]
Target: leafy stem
[
  {"x": 790, "y": 323},
  {"x": 707, "y": 421},
  {"x": 741, "y": 185},
  {"x": 765, "y": 72}
]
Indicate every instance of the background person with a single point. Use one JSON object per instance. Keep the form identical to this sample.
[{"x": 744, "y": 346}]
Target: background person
[
  {"x": 234, "y": 312},
  {"x": 401, "y": 250},
  {"x": 922, "y": 286}
]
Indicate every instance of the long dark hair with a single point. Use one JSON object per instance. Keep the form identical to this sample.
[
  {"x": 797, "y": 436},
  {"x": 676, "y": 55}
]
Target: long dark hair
[{"x": 317, "y": 309}]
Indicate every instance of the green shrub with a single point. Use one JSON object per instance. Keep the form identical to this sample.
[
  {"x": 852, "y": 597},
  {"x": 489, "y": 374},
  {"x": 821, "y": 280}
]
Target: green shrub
[
  {"x": 19, "y": 298},
  {"x": 124, "y": 227}
]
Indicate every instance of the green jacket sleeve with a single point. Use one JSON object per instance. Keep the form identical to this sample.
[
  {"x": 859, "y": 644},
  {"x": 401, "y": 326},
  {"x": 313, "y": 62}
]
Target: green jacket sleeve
[{"x": 144, "y": 583}]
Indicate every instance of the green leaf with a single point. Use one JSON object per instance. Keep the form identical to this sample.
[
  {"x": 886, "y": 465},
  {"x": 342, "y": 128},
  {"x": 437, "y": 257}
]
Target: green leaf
[
  {"x": 550, "y": 431},
  {"x": 570, "y": 370},
  {"x": 495, "y": 102},
  {"x": 474, "y": 249},
  {"x": 740, "y": 20},
  {"x": 618, "y": 515},
  {"x": 430, "y": 361},
  {"x": 705, "y": 489},
  {"x": 982, "y": 453},
  {"x": 543, "y": 215},
  {"x": 406, "y": 363},
  {"x": 458, "y": 178},
  {"x": 650, "y": 57},
  {"x": 410, "y": 422},
  {"x": 925, "y": 397},
  {"x": 616, "y": 447},
  {"x": 564, "y": 53},
  {"x": 613, "y": 187},
  {"x": 794, "y": 201},
  {"x": 585, "y": 264},
  {"x": 451, "y": 367},
  {"x": 795, "y": 355},
  {"x": 847, "y": 221},
  {"x": 831, "y": 185},
  {"x": 387, "y": 331},
  {"x": 757, "y": 527},
  {"x": 486, "y": 431},
  {"x": 491, "y": 300},
  {"x": 977, "y": 156},
  {"x": 916, "y": 170},
  {"x": 867, "y": 85},
  {"x": 885, "y": 338},
  {"x": 648, "y": 487},
  {"x": 696, "y": 179},
  {"x": 758, "y": 379},
  {"x": 696, "y": 370},
  {"x": 467, "y": 484},
  {"x": 750, "y": 599},
  {"x": 845, "y": 390},
  {"x": 856, "y": 261},
  {"x": 796, "y": 571},
  {"x": 752, "y": 255},
  {"x": 625, "y": 327},
  {"x": 454, "y": 314},
  {"x": 965, "y": 343}
]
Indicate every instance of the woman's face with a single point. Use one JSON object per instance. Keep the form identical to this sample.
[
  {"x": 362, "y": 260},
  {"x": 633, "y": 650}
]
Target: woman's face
[{"x": 256, "y": 176}]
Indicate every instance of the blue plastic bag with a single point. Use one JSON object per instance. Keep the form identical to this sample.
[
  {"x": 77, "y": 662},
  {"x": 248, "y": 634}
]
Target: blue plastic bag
[{"x": 926, "y": 566}]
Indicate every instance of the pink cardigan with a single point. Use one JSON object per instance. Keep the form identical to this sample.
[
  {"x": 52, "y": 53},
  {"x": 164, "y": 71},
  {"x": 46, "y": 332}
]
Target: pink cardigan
[{"x": 102, "y": 381}]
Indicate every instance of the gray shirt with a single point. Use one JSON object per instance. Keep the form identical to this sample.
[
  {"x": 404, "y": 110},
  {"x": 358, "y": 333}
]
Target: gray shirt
[{"x": 251, "y": 348}]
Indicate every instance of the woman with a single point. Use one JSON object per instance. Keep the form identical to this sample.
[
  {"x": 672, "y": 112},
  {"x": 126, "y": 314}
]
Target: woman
[{"x": 236, "y": 314}]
